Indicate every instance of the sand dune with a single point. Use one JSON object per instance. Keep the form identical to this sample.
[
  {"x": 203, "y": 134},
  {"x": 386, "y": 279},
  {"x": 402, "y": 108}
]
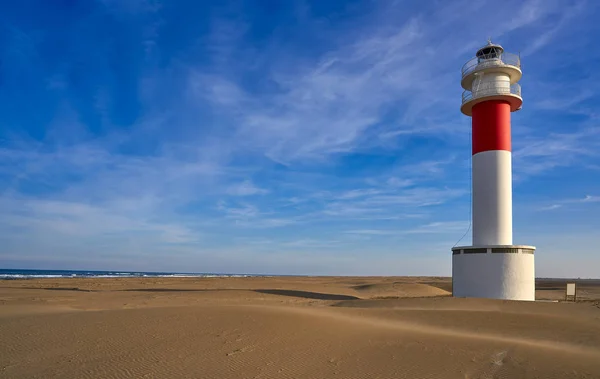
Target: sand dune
[
  {"x": 400, "y": 289},
  {"x": 286, "y": 328}
]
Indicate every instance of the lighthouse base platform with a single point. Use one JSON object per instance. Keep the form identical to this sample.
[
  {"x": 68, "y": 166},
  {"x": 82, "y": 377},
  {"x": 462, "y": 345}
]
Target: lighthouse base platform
[{"x": 494, "y": 272}]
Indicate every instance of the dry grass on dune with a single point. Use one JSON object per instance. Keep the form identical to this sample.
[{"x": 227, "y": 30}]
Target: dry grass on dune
[{"x": 287, "y": 328}]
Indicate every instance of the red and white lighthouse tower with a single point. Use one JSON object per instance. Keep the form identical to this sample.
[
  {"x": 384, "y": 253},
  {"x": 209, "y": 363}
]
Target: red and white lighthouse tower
[{"x": 493, "y": 267}]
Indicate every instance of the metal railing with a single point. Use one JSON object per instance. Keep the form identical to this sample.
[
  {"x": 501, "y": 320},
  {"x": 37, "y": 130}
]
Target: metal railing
[
  {"x": 491, "y": 60},
  {"x": 514, "y": 89}
]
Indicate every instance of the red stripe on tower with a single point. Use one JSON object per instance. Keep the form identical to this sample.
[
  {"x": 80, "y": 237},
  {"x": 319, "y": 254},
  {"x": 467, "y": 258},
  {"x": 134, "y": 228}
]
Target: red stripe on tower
[{"x": 491, "y": 126}]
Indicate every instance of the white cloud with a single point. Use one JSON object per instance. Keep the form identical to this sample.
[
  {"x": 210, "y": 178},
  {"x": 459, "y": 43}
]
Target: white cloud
[
  {"x": 250, "y": 216},
  {"x": 416, "y": 197},
  {"x": 440, "y": 227},
  {"x": 353, "y": 194},
  {"x": 551, "y": 207},
  {"x": 311, "y": 243},
  {"x": 537, "y": 154},
  {"x": 241, "y": 212},
  {"x": 327, "y": 105},
  {"x": 397, "y": 182},
  {"x": 373, "y": 232},
  {"x": 49, "y": 219},
  {"x": 246, "y": 188},
  {"x": 564, "y": 104},
  {"x": 590, "y": 199},
  {"x": 566, "y": 15},
  {"x": 561, "y": 203}
]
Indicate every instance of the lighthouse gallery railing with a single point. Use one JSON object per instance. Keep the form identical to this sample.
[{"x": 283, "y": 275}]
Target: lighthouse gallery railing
[
  {"x": 514, "y": 89},
  {"x": 491, "y": 60}
]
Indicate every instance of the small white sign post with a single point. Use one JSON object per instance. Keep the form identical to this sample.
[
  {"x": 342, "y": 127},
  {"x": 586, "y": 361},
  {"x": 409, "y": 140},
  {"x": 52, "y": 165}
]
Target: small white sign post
[{"x": 571, "y": 292}]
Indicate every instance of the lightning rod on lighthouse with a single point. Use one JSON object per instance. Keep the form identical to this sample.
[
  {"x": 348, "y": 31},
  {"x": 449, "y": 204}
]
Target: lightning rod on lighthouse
[{"x": 492, "y": 267}]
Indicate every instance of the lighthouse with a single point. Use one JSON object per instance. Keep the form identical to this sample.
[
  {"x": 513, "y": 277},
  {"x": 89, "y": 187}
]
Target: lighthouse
[{"x": 492, "y": 267}]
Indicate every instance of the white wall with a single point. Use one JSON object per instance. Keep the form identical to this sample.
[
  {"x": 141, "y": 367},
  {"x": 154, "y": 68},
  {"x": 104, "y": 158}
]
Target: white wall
[
  {"x": 492, "y": 198},
  {"x": 494, "y": 275}
]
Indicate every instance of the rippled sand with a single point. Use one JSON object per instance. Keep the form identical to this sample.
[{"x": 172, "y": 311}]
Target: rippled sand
[{"x": 290, "y": 328}]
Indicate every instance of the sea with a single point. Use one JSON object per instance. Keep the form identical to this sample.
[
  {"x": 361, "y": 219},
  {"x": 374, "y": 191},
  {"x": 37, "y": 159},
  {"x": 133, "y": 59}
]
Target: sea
[{"x": 8, "y": 274}]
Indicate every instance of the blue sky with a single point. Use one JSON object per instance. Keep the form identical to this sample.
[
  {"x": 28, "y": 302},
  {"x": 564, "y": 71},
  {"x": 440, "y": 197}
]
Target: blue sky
[{"x": 286, "y": 137}]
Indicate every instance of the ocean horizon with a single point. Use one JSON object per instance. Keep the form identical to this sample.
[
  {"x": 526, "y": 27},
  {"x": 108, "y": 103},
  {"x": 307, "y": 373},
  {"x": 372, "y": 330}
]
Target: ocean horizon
[
  {"x": 14, "y": 274},
  {"x": 8, "y": 274}
]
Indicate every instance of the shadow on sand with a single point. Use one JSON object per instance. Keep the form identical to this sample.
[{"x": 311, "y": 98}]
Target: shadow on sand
[
  {"x": 56, "y": 289},
  {"x": 169, "y": 290},
  {"x": 279, "y": 292},
  {"x": 308, "y": 295}
]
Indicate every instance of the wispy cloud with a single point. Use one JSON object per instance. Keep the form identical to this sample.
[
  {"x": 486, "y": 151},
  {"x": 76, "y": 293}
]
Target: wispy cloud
[
  {"x": 248, "y": 215},
  {"x": 565, "y": 104},
  {"x": 539, "y": 154},
  {"x": 81, "y": 221},
  {"x": 440, "y": 227},
  {"x": 550, "y": 207},
  {"x": 566, "y": 16},
  {"x": 433, "y": 228},
  {"x": 353, "y": 194},
  {"x": 245, "y": 188},
  {"x": 318, "y": 107},
  {"x": 372, "y": 232},
  {"x": 561, "y": 203}
]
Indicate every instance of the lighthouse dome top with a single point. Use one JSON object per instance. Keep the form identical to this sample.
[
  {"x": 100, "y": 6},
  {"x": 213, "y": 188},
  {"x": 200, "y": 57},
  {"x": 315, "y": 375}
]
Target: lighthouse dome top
[
  {"x": 489, "y": 59},
  {"x": 490, "y": 51}
]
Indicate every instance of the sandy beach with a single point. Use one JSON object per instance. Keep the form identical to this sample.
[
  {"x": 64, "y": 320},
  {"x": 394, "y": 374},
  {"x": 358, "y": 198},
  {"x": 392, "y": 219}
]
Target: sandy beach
[{"x": 290, "y": 327}]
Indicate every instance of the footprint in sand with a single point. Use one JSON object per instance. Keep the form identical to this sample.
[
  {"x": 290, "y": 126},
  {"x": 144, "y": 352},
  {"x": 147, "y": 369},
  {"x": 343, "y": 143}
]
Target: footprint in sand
[{"x": 490, "y": 370}]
